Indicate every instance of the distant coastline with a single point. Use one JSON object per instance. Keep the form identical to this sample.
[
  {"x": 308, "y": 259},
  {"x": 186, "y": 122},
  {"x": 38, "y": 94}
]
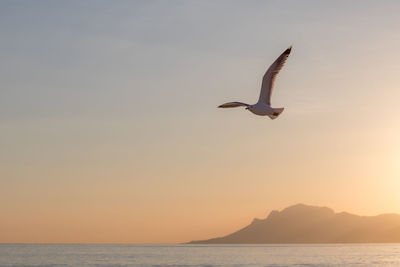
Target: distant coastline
[{"x": 310, "y": 224}]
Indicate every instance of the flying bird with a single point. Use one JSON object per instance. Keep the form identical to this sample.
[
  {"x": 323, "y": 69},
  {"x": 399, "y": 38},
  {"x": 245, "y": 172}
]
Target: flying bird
[{"x": 263, "y": 106}]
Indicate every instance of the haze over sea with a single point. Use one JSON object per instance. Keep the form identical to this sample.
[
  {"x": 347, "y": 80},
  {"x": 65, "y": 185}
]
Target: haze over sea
[{"x": 200, "y": 255}]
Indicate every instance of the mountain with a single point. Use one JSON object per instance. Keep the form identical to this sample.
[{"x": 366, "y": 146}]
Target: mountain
[{"x": 309, "y": 224}]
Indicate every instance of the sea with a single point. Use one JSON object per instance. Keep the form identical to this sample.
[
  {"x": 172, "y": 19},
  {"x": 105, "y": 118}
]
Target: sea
[{"x": 199, "y": 255}]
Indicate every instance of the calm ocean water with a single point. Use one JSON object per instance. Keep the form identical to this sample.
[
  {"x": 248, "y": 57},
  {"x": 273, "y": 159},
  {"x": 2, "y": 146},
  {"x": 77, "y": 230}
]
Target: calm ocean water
[{"x": 200, "y": 255}]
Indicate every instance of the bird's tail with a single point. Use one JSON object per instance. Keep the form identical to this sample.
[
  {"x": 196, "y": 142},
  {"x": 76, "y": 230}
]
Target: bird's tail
[{"x": 277, "y": 112}]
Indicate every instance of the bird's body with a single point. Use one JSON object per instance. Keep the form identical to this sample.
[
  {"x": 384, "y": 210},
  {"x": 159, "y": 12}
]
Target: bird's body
[
  {"x": 263, "y": 106},
  {"x": 263, "y": 109}
]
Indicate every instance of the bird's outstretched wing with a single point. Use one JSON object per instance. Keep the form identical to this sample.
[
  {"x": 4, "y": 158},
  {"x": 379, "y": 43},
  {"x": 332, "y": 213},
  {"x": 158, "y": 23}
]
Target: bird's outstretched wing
[
  {"x": 233, "y": 105},
  {"x": 270, "y": 76}
]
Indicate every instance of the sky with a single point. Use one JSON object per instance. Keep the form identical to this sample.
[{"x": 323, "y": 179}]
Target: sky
[{"x": 110, "y": 132}]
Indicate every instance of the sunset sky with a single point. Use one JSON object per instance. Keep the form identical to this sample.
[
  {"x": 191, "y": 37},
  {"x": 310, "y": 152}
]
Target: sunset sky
[{"x": 110, "y": 132}]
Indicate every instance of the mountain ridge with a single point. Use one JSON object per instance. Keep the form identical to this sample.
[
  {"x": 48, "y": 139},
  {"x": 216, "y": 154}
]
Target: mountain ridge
[{"x": 302, "y": 223}]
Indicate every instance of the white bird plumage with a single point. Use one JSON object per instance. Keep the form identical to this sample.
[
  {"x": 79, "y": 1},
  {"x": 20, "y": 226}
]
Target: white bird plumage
[{"x": 263, "y": 106}]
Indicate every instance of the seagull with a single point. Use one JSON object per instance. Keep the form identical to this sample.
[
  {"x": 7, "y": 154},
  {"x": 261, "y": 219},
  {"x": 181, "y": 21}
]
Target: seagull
[{"x": 263, "y": 106}]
